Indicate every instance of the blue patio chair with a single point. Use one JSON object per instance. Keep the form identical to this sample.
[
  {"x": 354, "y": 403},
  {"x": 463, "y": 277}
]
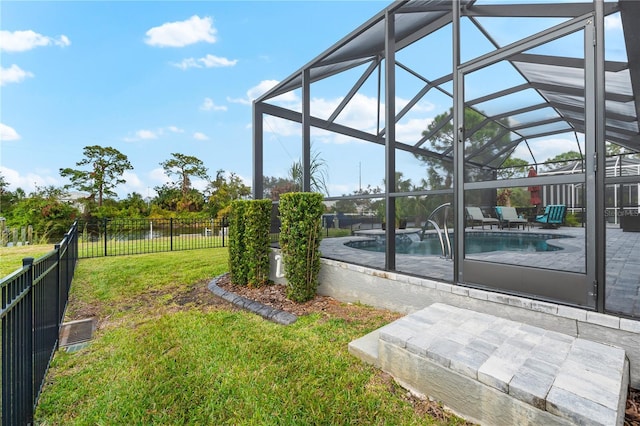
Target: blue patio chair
[{"x": 553, "y": 215}]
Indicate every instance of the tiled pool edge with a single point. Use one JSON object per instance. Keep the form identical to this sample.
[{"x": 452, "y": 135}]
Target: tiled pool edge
[{"x": 406, "y": 294}]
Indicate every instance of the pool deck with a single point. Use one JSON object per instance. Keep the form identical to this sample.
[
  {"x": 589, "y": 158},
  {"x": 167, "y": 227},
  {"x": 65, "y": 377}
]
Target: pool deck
[{"x": 622, "y": 248}]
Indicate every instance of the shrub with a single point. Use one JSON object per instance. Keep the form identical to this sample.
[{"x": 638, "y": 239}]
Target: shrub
[
  {"x": 249, "y": 242},
  {"x": 300, "y": 214},
  {"x": 238, "y": 269},
  {"x": 257, "y": 217},
  {"x": 572, "y": 220}
]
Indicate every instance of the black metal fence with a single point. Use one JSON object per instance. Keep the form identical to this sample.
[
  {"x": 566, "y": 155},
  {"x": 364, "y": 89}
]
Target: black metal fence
[
  {"x": 115, "y": 237},
  {"x": 34, "y": 299}
]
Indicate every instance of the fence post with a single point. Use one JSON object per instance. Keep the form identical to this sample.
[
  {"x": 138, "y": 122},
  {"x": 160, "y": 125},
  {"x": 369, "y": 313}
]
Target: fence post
[
  {"x": 58, "y": 298},
  {"x": 67, "y": 237},
  {"x": 171, "y": 234},
  {"x": 105, "y": 236},
  {"x": 224, "y": 220},
  {"x": 27, "y": 354}
]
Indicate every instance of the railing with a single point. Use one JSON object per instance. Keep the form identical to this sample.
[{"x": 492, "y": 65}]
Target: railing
[
  {"x": 34, "y": 299},
  {"x": 115, "y": 237},
  {"x": 445, "y": 242}
]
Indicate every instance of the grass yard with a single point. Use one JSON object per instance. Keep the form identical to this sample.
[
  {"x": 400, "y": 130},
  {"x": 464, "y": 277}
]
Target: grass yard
[
  {"x": 11, "y": 257},
  {"x": 169, "y": 352},
  {"x": 115, "y": 247}
]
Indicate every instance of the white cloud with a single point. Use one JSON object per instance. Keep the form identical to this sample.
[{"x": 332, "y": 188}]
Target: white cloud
[
  {"x": 209, "y": 61},
  {"x": 613, "y": 22},
  {"x": 544, "y": 149},
  {"x": 242, "y": 101},
  {"x": 182, "y": 33},
  {"x": 133, "y": 184},
  {"x": 30, "y": 181},
  {"x": 143, "y": 134},
  {"x": 143, "y": 186},
  {"x": 20, "y": 41},
  {"x": 63, "y": 41},
  {"x": 158, "y": 175},
  {"x": 360, "y": 113},
  {"x": 187, "y": 63},
  {"x": 200, "y": 136},
  {"x": 423, "y": 106},
  {"x": 8, "y": 133},
  {"x": 199, "y": 184},
  {"x": 13, "y": 74},
  {"x": 209, "y": 105},
  {"x": 281, "y": 127},
  {"x": 410, "y": 132},
  {"x": 263, "y": 87},
  {"x": 146, "y": 134}
]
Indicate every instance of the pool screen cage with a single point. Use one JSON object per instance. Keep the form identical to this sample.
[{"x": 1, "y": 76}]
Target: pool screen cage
[{"x": 506, "y": 92}]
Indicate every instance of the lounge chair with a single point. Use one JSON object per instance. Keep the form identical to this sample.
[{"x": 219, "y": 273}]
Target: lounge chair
[
  {"x": 475, "y": 216},
  {"x": 553, "y": 215},
  {"x": 508, "y": 216}
]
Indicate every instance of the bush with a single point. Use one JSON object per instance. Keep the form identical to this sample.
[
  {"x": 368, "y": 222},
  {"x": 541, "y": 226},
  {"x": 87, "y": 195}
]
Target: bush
[
  {"x": 257, "y": 217},
  {"x": 249, "y": 242},
  {"x": 300, "y": 213},
  {"x": 572, "y": 220},
  {"x": 238, "y": 269}
]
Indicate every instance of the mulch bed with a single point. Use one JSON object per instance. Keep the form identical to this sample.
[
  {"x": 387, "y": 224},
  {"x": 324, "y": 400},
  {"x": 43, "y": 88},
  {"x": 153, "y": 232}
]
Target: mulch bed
[
  {"x": 275, "y": 296},
  {"x": 632, "y": 413}
]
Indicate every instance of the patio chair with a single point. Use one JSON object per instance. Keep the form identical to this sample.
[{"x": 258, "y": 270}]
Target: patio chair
[
  {"x": 475, "y": 216},
  {"x": 553, "y": 215},
  {"x": 509, "y": 216}
]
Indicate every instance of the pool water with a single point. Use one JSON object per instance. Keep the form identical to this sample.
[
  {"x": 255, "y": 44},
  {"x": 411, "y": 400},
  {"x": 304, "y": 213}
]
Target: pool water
[{"x": 474, "y": 243}]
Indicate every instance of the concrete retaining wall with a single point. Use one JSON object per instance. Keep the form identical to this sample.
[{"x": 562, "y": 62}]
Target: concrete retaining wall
[{"x": 405, "y": 294}]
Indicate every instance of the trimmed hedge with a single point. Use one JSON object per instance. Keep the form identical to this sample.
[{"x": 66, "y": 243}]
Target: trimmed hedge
[
  {"x": 257, "y": 216},
  {"x": 300, "y": 214},
  {"x": 237, "y": 266},
  {"x": 249, "y": 222}
]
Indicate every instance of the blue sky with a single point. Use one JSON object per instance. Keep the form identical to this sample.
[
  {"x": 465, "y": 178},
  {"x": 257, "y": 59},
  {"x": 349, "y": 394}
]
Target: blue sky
[
  {"x": 149, "y": 79},
  {"x": 155, "y": 78}
]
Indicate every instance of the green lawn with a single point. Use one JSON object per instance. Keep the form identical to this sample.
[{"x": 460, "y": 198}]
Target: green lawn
[
  {"x": 135, "y": 246},
  {"x": 167, "y": 352},
  {"x": 11, "y": 257}
]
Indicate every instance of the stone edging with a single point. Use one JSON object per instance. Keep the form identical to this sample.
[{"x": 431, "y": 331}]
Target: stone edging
[{"x": 267, "y": 312}]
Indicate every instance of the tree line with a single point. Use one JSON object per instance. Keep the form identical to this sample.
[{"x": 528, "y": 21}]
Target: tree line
[
  {"x": 51, "y": 210},
  {"x": 102, "y": 169}
]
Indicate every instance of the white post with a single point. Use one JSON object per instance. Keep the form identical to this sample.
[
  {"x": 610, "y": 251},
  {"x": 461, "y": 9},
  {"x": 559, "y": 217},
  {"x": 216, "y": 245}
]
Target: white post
[
  {"x": 151, "y": 230},
  {"x": 279, "y": 267},
  {"x": 615, "y": 204}
]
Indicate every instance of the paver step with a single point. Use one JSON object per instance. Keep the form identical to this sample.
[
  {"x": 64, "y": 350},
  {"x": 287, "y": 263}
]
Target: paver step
[{"x": 496, "y": 371}]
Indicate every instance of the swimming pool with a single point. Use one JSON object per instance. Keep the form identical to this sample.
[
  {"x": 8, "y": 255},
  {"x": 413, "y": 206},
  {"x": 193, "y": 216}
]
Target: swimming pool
[{"x": 476, "y": 242}]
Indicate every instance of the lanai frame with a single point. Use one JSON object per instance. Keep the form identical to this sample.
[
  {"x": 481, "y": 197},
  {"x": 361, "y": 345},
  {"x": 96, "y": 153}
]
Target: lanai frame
[{"x": 400, "y": 24}]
